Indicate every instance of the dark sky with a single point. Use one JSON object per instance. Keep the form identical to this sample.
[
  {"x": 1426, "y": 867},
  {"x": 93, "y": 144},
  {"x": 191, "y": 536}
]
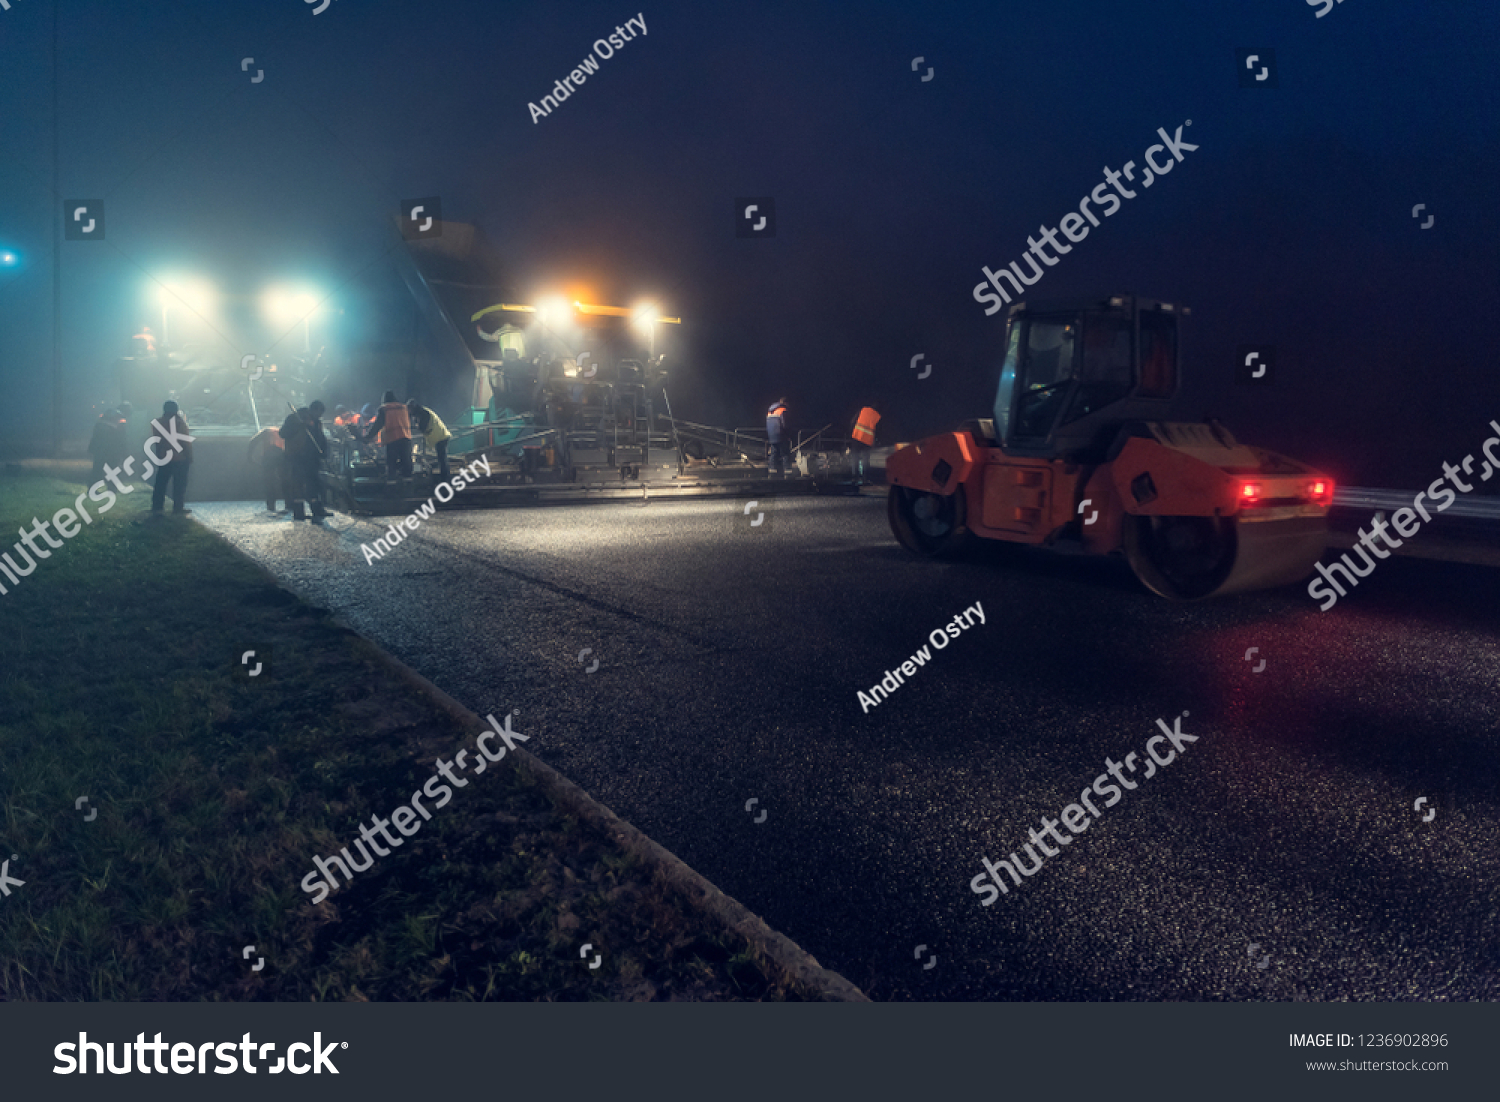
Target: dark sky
[{"x": 1289, "y": 226}]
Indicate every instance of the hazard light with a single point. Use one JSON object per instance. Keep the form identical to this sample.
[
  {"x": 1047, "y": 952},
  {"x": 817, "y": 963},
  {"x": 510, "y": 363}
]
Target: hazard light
[{"x": 1320, "y": 491}]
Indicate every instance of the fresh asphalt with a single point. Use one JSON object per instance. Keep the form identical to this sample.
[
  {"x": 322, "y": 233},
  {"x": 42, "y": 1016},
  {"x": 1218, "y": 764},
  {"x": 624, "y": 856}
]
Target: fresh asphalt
[{"x": 1279, "y": 857}]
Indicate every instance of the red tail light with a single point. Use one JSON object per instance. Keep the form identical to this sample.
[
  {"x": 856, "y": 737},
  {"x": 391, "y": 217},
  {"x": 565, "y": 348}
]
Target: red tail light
[
  {"x": 1249, "y": 493},
  {"x": 1320, "y": 491}
]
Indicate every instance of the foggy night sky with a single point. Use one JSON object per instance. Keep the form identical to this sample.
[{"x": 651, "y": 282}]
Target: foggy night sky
[{"x": 1289, "y": 226}]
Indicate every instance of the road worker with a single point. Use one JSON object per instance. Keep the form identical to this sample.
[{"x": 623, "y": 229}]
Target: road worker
[
  {"x": 268, "y": 451},
  {"x": 776, "y": 441},
  {"x": 862, "y": 439},
  {"x": 433, "y": 431},
  {"x": 306, "y": 446},
  {"x": 393, "y": 424}
]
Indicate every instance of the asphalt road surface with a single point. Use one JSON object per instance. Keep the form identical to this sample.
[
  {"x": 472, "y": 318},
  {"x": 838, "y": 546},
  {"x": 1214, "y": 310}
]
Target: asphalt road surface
[{"x": 1281, "y": 856}]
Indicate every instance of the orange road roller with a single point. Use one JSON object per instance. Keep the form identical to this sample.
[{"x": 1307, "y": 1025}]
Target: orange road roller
[{"x": 1078, "y": 454}]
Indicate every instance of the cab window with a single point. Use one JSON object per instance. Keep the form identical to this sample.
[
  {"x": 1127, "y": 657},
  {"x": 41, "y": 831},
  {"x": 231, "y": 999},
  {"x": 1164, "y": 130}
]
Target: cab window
[
  {"x": 1158, "y": 356},
  {"x": 1105, "y": 377},
  {"x": 1005, "y": 394},
  {"x": 1046, "y": 370}
]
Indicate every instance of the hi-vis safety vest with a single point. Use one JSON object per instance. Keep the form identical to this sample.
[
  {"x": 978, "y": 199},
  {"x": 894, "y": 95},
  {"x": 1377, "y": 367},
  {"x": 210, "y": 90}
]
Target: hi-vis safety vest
[
  {"x": 397, "y": 425},
  {"x": 864, "y": 428},
  {"x": 775, "y": 421},
  {"x": 436, "y": 432}
]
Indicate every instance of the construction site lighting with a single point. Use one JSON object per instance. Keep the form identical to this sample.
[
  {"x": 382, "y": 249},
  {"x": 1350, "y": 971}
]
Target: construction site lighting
[
  {"x": 284, "y": 306},
  {"x": 555, "y": 311},
  {"x": 195, "y": 295},
  {"x": 565, "y": 311}
]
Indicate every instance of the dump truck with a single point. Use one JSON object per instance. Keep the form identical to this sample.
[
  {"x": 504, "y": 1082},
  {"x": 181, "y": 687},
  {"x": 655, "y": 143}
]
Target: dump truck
[{"x": 1079, "y": 455}]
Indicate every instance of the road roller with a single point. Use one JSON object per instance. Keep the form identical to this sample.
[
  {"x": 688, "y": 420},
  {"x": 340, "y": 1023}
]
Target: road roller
[{"x": 1079, "y": 454}]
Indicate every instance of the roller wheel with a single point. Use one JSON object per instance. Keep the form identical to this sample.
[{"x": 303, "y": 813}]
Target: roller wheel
[
  {"x": 1181, "y": 558},
  {"x": 928, "y": 524}
]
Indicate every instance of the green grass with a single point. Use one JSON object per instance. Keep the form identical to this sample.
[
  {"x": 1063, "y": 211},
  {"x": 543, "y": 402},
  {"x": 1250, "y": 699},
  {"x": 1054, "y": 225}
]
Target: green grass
[{"x": 119, "y": 682}]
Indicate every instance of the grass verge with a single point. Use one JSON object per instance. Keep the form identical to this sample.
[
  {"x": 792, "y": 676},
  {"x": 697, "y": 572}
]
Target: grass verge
[{"x": 120, "y": 681}]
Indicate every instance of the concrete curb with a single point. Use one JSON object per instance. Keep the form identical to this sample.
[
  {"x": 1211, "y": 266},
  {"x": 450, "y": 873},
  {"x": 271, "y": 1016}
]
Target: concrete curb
[{"x": 720, "y": 908}]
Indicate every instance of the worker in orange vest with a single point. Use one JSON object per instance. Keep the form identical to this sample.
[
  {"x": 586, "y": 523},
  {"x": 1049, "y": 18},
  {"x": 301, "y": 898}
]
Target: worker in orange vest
[
  {"x": 776, "y": 443},
  {"x": 393, "y": 424},
  {"x": 862, "y": 440}
]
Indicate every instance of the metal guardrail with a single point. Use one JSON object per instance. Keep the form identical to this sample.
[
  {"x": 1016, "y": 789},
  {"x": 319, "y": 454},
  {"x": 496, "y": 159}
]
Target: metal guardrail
[{"x": 1467, "y": 506}]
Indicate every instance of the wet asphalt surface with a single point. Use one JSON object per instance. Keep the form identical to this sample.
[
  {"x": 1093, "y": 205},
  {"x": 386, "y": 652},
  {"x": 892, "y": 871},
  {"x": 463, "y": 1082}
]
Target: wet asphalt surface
[{"x": 1277, "y": 858}]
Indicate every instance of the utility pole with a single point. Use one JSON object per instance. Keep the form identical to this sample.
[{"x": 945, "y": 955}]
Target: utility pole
[{"x": 56, "y": 259}]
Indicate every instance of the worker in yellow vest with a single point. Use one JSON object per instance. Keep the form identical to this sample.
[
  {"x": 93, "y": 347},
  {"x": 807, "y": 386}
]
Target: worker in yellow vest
[
  {"x": 393, "y": 424},
  {"x": 433, "y": 431},
  {"x": 862, "y": 440}
]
